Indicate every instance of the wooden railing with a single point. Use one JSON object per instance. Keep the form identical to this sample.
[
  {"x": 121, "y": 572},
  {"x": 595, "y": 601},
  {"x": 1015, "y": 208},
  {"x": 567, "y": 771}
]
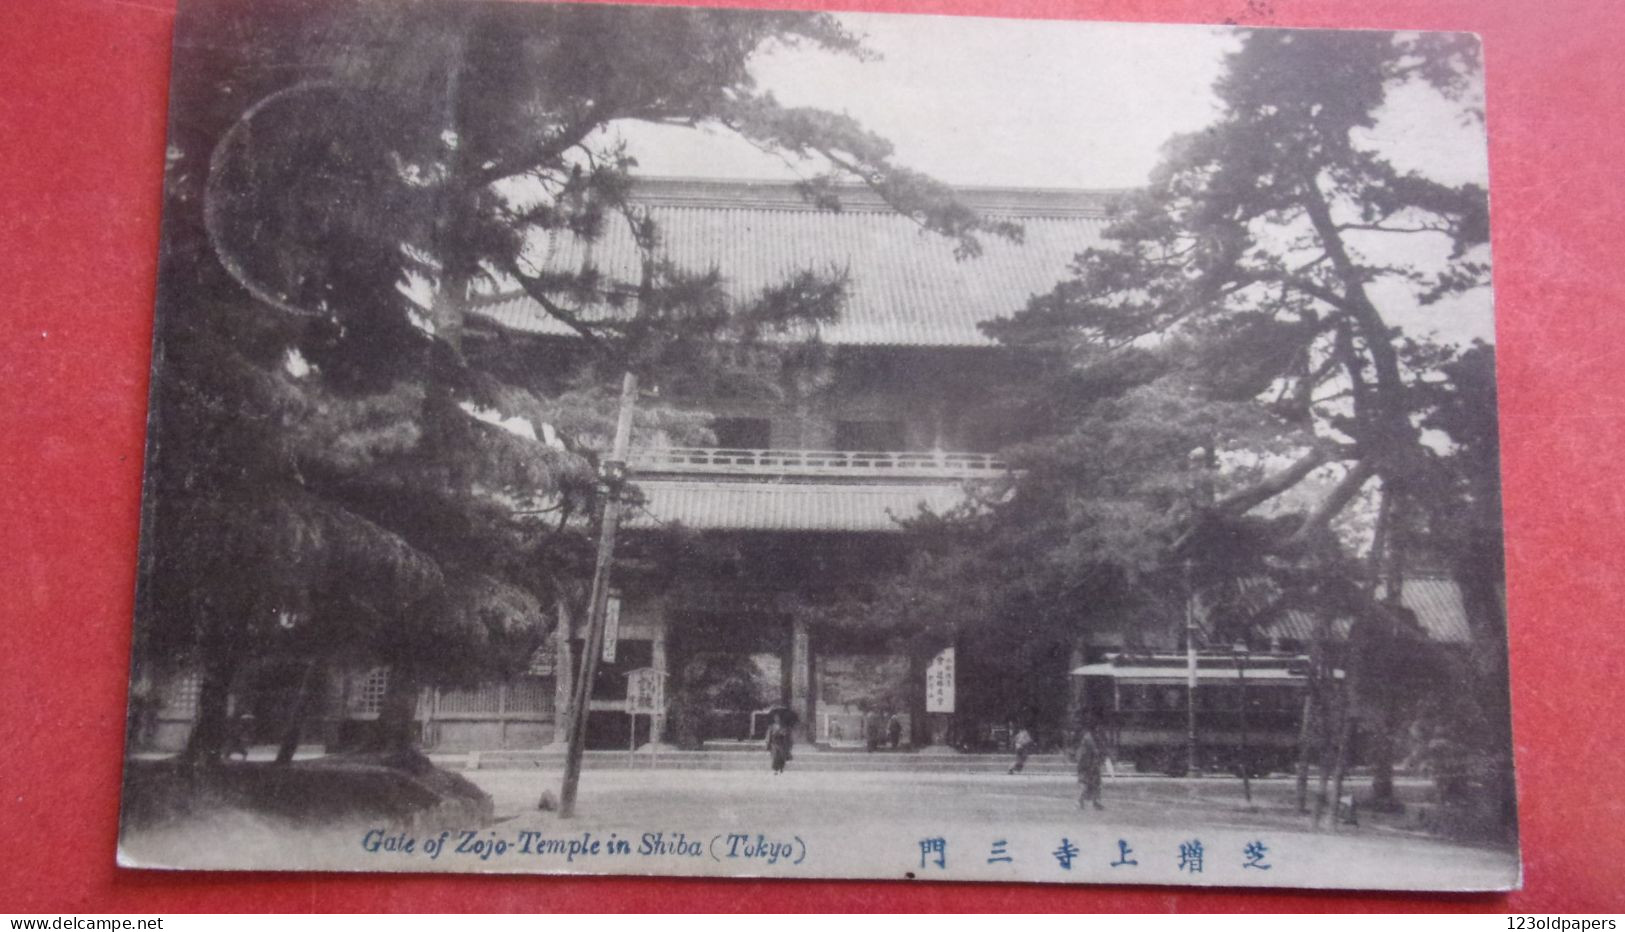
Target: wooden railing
[{"x": 815, "y": 462}]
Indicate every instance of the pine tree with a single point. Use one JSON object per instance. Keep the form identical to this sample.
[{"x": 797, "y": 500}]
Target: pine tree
[
  {"x": 334, "y": 465},
  {"x": 1219, "y": 411}
]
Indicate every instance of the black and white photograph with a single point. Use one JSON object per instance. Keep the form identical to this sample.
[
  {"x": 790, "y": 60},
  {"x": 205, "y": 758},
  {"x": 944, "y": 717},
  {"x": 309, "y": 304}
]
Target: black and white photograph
[{"x": 657, "y": 440}]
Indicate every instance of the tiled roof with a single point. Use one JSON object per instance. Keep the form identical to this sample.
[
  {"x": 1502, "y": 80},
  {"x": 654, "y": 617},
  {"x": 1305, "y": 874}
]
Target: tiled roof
[
  {"x": 785, "y": 506},
  {"x": 907, "y": 288},
  {"x": 1297, "y": 625},
  {"x": 1439, "y": 609},
  {"x": 1435, "y": 600}
]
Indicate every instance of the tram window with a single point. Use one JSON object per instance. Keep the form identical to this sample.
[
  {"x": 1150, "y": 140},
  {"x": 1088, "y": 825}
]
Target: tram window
[
  {"x": 1134, "y": 698},
  {"x": 1170, "y": 698},
  {"x": 1217, "y": 698}
]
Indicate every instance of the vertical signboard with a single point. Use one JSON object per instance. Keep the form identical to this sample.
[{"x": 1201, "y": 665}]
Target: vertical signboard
[
  {"x": 645, "y": 692},
  {"x": 545, "y": 660},
  {"x": 612, "y": 627},
  {"x": 939, "y": 682}
]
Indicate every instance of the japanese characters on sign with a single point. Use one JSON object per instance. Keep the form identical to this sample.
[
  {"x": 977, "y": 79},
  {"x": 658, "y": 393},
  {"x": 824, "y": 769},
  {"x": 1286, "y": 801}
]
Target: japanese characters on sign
[
  {"x": 645, "y": 691},
  {"x": 939, "y": 682},
  {"x": 612, "y": 627}
]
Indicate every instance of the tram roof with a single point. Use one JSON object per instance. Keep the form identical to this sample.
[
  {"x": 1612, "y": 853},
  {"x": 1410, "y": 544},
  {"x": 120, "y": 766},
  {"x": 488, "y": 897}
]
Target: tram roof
[
  {"x": 1171, "y": 676},
  {"x": 1173, "y": 669}
]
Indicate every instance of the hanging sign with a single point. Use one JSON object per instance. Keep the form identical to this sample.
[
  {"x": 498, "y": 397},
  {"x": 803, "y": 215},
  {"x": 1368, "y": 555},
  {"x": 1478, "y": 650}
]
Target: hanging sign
[
  {"x": 939, "y": 682},
  {"x": 546, "y": 658},
  {"x": 612, "y": 627},
  {"x": 646, "y": 691}
]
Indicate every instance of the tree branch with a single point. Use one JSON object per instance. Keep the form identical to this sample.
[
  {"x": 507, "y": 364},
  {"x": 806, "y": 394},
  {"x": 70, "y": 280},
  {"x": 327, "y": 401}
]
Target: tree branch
[
  {"x": 1317, "y": 291},
  {"x": 570, "y": 135},
  {"x": 540, "y": 296},
  {"x": 1343, "y": 493},
  {"x": 1245, "y": 500},
  {"x": 1379, "y": 228}
]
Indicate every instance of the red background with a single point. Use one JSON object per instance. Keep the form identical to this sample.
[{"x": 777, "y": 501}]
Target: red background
[{"x": 81, "y": 156}]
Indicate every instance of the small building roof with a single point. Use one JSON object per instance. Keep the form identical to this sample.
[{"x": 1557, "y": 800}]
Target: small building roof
[
  {"x": 1439, "y": 608},
  {"x": 786, "y": 506},
  {"x": 1435, "y": 600},
  {"x": 906, "y": 286}
]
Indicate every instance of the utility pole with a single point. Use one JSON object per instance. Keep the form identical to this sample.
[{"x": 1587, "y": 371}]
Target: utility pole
[
  {"x": 1191, "y": 755},
  {"x": 613, "y": 475},
  {"x": 1240, "y": 653}
]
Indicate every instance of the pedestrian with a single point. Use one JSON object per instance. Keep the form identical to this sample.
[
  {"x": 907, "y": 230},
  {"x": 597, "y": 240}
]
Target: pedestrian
[
  {"x": 894, "y": 730},
  {"x": 871, "y": 730},
  {"x": 1024, "y": 746},
  {"x": 778, "y": 744},
  {"x": 1091, "y": 758}
]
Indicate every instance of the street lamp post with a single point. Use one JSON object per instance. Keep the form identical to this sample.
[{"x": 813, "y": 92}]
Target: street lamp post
[
  {"x": 1192, "y": 757},
  {"x": 1240, "y": 651},
  {"x": 613, "y": 477}
]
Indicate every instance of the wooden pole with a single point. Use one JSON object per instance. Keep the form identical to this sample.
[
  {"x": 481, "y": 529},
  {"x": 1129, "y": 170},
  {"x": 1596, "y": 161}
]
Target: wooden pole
[
  {"x": 1246, "y": 763},
  {"x": 1192, "y": 759},
  {"x": 1305, "y": 737},
  {"x": 598, "y": 602}
]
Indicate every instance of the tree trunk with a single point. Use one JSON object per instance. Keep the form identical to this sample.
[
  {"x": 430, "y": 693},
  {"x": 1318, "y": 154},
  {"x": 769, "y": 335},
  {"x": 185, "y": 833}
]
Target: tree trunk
[
  {"x": 1388, "y": 572},
  {"x": 397, "y": 711},
  {"x": 296, "y": 715},
  {"x": 212, "y": 731},
  {"x": 1305, "y": 748},
  {"x": 1478, "y": 576},
  {"x": 919, "y": 720},
  {"x": 1315, "y": 712},
  {"x": 1345, "y": 735},
  {"x": 1336, "y": 710},
  {"x": 1382, "y": 751}
]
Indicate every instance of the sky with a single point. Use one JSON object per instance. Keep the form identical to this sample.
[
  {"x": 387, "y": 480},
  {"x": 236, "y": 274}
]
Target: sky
[
  {"x": 1035, "y": 103},
  {"x": 987, "y": 101},
  {"x": 1032, "y": 103}
]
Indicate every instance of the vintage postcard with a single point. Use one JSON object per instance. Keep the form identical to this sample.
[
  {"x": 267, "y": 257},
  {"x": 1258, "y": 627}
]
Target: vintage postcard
[{"x": 654, "y": 440}]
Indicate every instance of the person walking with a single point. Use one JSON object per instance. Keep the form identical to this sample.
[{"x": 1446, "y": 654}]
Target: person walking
[
  {"x": 894, "y": 730},
  {"x": 778, "y": 744},
  {"x": 1091, "y": 758},
  {"x": 1023, "y": 745}
]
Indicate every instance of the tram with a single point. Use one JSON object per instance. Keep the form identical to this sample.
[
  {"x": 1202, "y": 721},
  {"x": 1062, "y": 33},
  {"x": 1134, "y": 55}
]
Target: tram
[{"x": 1141, "y": 704}]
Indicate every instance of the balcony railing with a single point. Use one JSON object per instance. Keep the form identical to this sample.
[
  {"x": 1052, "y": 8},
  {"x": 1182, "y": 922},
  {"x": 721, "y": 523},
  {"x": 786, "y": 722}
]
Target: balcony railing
[{"x": 868, "y": 463}]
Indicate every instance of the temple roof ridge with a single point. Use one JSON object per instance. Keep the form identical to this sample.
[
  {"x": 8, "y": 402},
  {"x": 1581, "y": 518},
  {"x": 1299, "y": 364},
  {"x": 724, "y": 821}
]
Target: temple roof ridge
[{"x": 784, "y": 194}]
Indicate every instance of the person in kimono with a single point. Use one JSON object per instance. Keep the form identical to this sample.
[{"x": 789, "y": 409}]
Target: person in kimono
[
  {"x": 1091, "y": 760},
  {"x": 778, "y": 744},
  {"x": 1023, "y": 745}
]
